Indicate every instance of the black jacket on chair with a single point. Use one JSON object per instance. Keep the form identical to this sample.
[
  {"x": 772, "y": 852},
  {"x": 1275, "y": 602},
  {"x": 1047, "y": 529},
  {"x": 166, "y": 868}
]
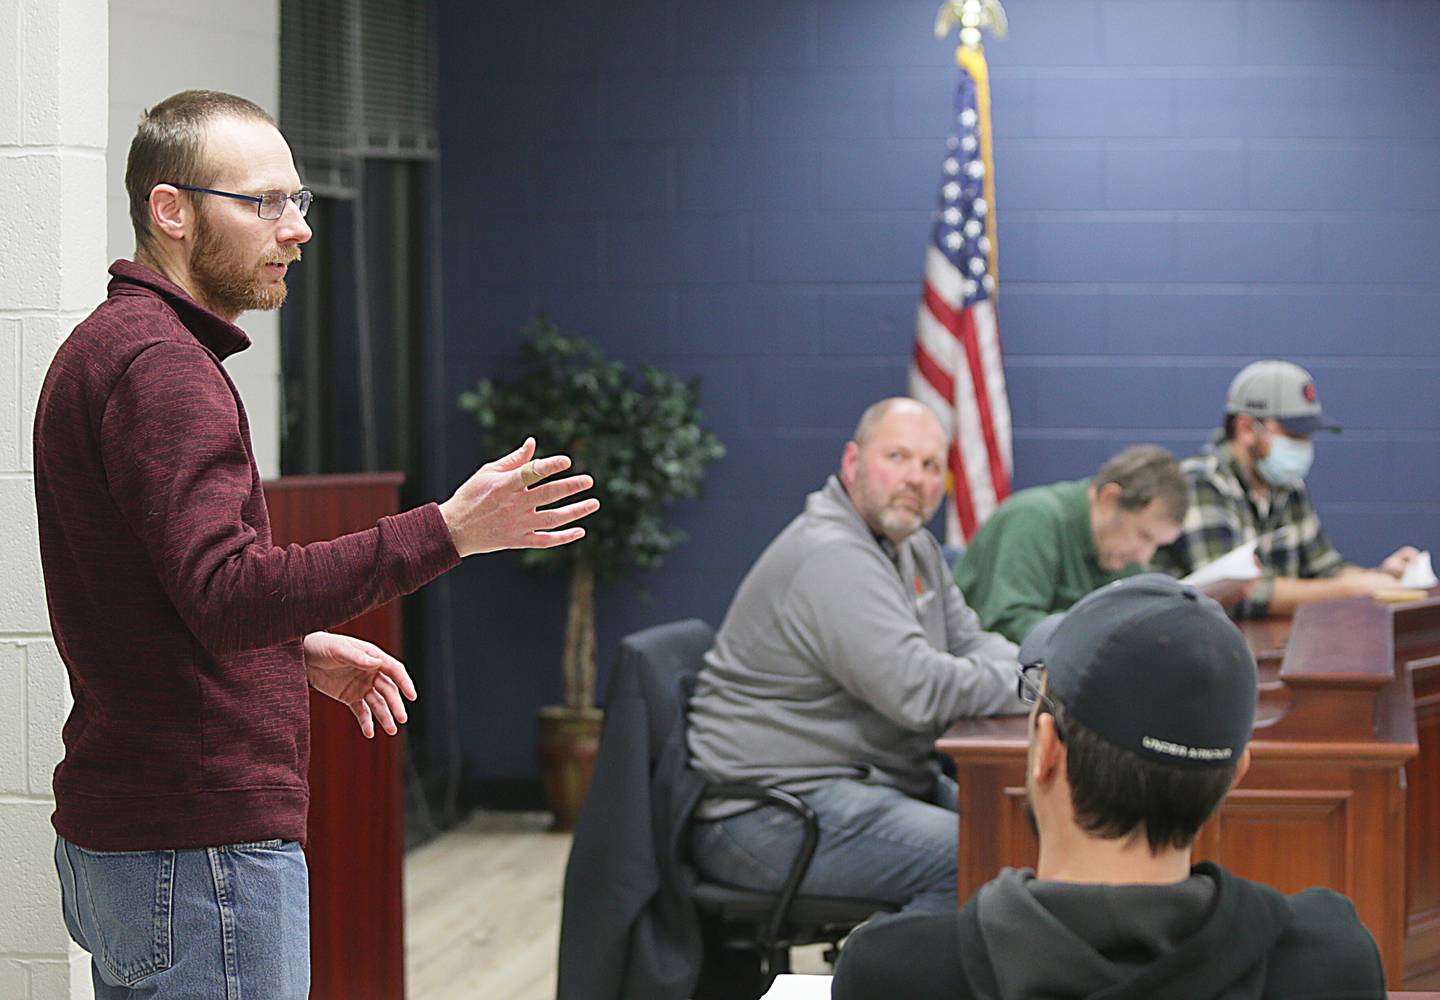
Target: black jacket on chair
[{"x": 629, "y": 930}]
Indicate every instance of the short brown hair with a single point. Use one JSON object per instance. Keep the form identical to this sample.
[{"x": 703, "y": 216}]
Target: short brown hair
[
  {"x": 169, "y": 147},
  {"x": 1146, "y": 472},
  {"x": 1118, "y": 794}
]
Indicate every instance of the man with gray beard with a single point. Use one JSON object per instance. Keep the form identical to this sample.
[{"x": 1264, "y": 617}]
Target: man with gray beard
[{"x": 847, "y": 650}]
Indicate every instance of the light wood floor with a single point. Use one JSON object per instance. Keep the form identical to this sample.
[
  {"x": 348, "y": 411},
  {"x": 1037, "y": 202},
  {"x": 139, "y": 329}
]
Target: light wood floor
[{"x": 482, "y": 911}]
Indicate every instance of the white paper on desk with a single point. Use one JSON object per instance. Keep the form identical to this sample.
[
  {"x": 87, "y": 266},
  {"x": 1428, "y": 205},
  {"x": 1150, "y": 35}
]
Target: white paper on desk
[
  {"x": 1419, "y": 573},
  {"x": 1237, "y": 564},
  {"x": 790, "y": 987}
]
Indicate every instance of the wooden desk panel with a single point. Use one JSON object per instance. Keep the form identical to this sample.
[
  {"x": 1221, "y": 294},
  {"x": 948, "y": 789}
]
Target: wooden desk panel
[{"x": 1418, "y": 648}]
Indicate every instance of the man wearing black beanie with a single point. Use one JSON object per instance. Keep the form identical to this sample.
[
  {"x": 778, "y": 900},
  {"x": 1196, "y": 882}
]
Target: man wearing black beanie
[{"x": 1143, "y": 701}]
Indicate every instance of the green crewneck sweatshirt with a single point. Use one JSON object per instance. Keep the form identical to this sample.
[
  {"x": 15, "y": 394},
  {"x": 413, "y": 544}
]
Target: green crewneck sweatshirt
[{"x": 1033, "y": 557}]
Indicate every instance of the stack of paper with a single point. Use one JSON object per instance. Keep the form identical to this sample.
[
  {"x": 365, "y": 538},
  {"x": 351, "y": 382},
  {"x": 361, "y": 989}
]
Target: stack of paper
[
  {"x": 1419, "y": 573},
  {"x": 790, "y": 987},
  {"x": 1237, "y": 564}
]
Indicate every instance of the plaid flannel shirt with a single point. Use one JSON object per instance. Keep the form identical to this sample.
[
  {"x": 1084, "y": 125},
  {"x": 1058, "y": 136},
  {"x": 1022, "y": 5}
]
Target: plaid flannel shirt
[{"x": 1223, "y": 515}]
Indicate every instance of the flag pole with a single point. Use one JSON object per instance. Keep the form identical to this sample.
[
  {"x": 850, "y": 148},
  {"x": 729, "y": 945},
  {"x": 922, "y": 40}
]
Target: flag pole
[
  {"x": 972, "y": 16},
  {"x": 958, "y": 369}
]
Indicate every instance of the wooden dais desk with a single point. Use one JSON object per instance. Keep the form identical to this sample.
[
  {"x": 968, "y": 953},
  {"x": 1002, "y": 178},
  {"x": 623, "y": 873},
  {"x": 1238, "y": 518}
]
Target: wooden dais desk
[{"x": 1338, "y": 732}]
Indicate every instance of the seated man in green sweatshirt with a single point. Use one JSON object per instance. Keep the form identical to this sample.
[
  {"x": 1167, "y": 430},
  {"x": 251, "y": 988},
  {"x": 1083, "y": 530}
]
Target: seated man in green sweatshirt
[{"x": 1046, "y": 547}]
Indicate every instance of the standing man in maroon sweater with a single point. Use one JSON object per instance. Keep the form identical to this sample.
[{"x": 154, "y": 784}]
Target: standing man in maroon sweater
[{"x": 188, "y": 637}]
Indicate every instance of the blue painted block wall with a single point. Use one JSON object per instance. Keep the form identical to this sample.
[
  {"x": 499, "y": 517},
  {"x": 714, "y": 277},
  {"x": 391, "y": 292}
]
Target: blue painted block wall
[{"x": 741, "y": 191}]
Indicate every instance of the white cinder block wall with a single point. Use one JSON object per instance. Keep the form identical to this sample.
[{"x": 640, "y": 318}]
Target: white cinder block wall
[
  {"x": 65, "y": 68},
  {"x": 215, "y": 45},
  {"x": 52, "y": 256}
]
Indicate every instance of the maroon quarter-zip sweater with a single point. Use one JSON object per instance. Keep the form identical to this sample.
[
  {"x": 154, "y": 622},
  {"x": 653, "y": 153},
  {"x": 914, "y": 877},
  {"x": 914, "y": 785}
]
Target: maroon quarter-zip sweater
[{"x": 177, "y": 619}]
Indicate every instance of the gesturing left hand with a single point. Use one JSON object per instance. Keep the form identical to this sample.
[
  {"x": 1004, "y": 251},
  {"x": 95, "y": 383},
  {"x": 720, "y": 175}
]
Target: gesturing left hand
[{"x": 360, "y": 675}]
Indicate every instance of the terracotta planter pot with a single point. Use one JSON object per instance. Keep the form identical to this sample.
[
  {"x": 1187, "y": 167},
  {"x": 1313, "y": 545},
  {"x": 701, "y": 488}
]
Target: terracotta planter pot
[{"x": 569, "y": 740}]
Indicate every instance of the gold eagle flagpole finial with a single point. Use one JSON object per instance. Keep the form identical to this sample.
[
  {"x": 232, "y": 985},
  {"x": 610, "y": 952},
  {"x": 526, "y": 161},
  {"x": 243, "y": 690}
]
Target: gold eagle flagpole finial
[{"x": 971, "y": 16}]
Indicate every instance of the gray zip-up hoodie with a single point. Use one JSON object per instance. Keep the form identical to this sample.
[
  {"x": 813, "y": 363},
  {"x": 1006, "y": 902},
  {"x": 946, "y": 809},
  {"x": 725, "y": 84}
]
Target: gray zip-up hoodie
[{"x": 843, "y": 656}]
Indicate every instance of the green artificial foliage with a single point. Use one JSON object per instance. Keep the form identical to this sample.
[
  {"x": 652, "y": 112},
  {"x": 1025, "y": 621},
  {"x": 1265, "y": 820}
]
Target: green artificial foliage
[{"x": 638, "y": 433}]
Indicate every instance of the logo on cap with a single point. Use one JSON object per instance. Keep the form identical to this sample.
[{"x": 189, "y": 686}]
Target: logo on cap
[
  {"x": 1188, "y": 752},
  {"x": 1309, "y": 392}
]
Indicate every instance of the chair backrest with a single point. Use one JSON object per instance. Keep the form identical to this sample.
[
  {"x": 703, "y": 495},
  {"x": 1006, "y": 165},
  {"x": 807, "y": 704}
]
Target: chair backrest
[
  {"x": 628, "y": 927},
  {"x": 660, "y": 665},
  {"x": 663, "y": 661}
]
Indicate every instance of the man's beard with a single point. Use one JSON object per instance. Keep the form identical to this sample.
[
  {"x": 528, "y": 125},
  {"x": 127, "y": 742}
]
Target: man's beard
[
  {"x": 900, "y": 520},
  {"x": 229, "y": 285},
  {"x": 883, "y": 515}
]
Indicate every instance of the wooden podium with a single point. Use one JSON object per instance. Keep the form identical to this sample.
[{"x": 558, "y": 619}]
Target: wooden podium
[
  {"x": 1343, "y": 789},
  {"x": 356, "y": 842}
]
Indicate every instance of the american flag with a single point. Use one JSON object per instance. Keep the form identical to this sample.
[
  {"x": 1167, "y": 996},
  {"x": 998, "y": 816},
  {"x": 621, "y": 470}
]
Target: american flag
[{"x": 957, "y": 368}]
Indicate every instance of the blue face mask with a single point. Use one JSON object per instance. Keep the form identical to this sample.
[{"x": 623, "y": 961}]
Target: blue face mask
[{"x": 1288, "y": 463}]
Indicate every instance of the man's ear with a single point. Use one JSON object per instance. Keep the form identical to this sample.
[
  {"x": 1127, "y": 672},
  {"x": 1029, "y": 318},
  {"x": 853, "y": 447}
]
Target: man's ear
[
  {"x": 1049, "y": 756},
  {"x": 1241, "y": 768},
  {"x": 1103, "y": 499},
  {"x": 172, "y": 214},
  {"x": 848, "y": 458},
  {"x": 1249, "y": 427}
]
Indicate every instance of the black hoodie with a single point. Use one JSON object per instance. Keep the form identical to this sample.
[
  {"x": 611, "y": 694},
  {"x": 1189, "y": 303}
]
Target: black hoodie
[{"x": 1214, "y": 936}]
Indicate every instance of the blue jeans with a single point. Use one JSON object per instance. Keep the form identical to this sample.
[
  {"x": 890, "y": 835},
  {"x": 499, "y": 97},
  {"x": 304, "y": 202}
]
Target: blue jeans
[
  {"x": 219, "y": 923},
  {"x": 875, "y": 842}
]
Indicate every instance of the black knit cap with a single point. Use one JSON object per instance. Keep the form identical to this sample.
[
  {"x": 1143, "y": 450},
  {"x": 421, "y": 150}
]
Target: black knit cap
[{"x": 1151, "y": 665}]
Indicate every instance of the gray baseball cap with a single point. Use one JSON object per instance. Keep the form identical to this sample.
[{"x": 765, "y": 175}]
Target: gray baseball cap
[
  {"x": 1281, "y": 390},
  {"x": 1153, "y": 666}
]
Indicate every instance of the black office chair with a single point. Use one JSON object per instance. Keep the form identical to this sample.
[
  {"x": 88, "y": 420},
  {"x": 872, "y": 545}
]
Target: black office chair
[{"x": 765, "y": 924}]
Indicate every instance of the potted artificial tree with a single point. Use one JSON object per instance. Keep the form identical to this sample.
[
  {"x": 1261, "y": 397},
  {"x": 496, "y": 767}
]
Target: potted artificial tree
[{"x": 639, "y": 435}]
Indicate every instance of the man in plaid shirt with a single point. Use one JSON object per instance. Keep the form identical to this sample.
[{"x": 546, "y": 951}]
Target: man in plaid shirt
[{"x": 1250, "y": 484}]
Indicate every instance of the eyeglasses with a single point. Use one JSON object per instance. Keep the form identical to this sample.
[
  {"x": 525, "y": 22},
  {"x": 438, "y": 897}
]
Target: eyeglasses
[
  {"x": 1028, "y": 688},
  {"x": 1028, "y": 691},
  {"x": 269, "y": 205}
]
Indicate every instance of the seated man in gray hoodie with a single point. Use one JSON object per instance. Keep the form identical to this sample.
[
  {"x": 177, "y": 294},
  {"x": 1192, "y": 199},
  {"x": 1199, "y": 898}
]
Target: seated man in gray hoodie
[
  {"x": 1144, "y": 698},
  {"x": 847, "y": 650}
]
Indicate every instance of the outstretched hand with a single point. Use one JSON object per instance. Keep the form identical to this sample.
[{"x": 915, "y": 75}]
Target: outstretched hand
[
  {"x": 495, "y": 509},
  {"x": 362, "y": 676}
]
